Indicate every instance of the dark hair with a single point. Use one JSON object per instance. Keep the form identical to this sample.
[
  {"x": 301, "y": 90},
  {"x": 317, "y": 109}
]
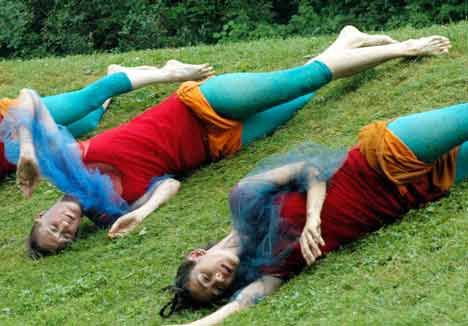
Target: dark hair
[
  {"x": 182, "y": 296},
  {"x": 35, "y": 251}
]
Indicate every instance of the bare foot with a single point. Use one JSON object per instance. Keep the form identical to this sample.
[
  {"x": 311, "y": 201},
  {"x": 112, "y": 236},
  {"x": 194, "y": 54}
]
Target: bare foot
[
  {"x": 425, "y": 46},
  {"x": 176, "y": 71},
  {"x": 182, "y": 71},
  {"x": 351, "y": 38}
]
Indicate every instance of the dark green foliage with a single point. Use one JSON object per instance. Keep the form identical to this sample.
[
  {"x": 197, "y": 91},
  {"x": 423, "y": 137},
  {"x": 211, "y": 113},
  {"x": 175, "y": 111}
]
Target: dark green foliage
[
  {"x": 59, "y": 27},
  {"x": 410, "y": 273}
]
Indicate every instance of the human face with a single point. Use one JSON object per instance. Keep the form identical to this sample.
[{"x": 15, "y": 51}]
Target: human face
[
  {"x": 59, "y": 225},
  {"x": 212, "y": 274}
]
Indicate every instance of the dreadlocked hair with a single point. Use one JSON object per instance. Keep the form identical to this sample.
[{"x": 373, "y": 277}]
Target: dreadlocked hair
[{"x": 182, "y": 297}]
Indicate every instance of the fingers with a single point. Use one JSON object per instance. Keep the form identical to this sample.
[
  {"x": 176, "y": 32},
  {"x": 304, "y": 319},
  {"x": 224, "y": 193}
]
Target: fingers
[
  {"x": 314, "y": 230},
  {"x": 27, "y": 177},
  {"x": 310, "y": 240},
  {"x": 115, "y": 235},
  {"x": 309, "y": 248},
  {"x": 306, "y": 251},
  {"x": 122, "y": 226},
  {"x": 312, "y": 244},
  {"x": 117, "y": 231},
  {"x": 114, "y": 229}
]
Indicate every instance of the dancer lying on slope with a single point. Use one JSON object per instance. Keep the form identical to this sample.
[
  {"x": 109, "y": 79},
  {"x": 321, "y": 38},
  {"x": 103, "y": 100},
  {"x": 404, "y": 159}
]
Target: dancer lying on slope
[
  {"x": 297, "y": 207},
  {"x": 81, "y": 111},
  {"x": 200, "y": 123}
]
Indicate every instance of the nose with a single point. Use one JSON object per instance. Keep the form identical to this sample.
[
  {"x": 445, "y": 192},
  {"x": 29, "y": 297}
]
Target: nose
[
  {"x": 63, "y": 225},
  {"x": 219, "y": 277}
]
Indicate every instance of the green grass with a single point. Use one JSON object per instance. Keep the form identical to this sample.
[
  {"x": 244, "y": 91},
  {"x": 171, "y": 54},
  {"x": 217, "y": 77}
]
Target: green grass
[{"x": 413, "y": 272}]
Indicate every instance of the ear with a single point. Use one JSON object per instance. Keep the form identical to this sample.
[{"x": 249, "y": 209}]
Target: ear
[{"x": 195, "y": 255}]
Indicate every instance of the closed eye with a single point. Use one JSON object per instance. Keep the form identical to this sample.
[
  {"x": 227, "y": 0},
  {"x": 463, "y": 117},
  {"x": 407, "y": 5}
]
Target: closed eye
[
  {"x": 68, "y": 237},
  {"x": 205, "y": 278}
]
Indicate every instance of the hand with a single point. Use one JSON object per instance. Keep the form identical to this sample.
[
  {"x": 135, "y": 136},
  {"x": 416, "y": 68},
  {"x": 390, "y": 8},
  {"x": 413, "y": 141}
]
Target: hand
[
  {"x": 27, "y": 175},
  {"x": 124, "y": 225},
  {"x": 310, "y": 240}
]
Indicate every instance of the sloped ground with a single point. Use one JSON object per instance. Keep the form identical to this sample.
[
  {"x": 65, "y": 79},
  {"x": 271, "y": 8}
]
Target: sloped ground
[{"x": 413, "y": 272}]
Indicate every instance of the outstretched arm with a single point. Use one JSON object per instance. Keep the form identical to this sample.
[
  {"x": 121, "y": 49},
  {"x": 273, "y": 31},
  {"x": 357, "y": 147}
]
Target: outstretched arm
[
  {"x": 27, "y": 176},
  {"x": 147, "y": 204},
  {"x": 279, "y": 176},
  {"x": 247, "y": 297}
]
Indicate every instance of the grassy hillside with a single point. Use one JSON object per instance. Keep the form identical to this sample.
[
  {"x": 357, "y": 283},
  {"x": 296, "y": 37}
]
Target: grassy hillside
[{"x": 413, "y": 272}]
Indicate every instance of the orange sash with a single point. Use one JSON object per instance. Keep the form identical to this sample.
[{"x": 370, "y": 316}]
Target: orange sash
[
  {"x": 387, "y": 154},
  {"x": 224, "y": 135}
]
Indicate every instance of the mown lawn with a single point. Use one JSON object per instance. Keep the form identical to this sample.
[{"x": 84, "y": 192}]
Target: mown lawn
[{"x": 412, "y": 273}]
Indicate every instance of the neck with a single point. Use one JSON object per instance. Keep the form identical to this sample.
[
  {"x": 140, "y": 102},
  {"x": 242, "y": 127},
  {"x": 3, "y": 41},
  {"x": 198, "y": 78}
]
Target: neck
[{"x": 230, "y": 242}]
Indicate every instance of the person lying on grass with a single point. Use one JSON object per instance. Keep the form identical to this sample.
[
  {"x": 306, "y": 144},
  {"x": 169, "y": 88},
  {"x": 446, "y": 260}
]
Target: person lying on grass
[
  {"x": 297, "y": 207},
  {"x": 129, "y": 169},
  {"x": 81, "y": 111}
]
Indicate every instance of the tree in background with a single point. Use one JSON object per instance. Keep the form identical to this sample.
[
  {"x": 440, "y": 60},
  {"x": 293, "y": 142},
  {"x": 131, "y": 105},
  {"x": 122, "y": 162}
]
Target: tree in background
[{"x": 59, "y": 27}]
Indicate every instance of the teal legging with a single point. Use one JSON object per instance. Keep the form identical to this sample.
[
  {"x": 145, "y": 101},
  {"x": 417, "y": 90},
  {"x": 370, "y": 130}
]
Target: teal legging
[
  {"x": 264, "y": 123},
  {"x": 81, "y": 111},
  {"x": 431, "y": 134},
  {"x": 264, "y": 100}
]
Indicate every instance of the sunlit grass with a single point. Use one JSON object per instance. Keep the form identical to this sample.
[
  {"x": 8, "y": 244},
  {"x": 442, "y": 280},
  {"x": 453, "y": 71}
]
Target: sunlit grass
[{"x": 413, "y": 272}]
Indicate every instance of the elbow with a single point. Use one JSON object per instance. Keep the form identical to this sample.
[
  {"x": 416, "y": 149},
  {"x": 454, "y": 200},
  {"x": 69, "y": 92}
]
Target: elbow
[{"x": 173, "y": 184}]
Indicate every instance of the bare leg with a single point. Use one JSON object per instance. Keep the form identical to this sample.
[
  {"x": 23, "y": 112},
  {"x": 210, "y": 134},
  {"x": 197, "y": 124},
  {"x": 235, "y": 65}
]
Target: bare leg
[
  {"x": 352, "y": 38},
  {"x": 347, "y": 56},
  {"x": 172, "y": 71}
]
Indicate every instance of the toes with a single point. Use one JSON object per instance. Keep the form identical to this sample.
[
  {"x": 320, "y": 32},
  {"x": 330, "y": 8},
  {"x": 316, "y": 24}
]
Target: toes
[
  {"x": 207, "y": 70},
  {"x": 438, "y": 38}
]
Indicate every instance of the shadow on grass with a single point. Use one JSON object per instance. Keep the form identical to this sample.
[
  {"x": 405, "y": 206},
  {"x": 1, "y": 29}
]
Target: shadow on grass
[
  {"x": 87, "y": 230},
  {"x": 349, "y": 85}
]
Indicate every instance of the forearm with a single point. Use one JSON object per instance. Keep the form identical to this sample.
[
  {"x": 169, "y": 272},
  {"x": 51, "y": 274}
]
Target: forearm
[
  {"x": 280, "y": 176},
  {"x": 315, "y": 198},
  {"x": 165, "y": 191},
  {"x": 219, "y": 315},
  {"x": 26, "y": 142},
  {"x": 247, "y": 297}
]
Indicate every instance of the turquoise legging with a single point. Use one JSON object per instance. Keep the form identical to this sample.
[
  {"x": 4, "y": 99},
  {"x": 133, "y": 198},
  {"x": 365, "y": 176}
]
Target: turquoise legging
[
  {"x": 81, "y": 111},
  {"x": 264, "y": 101},
  {"x": 431, "y": 134}
]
